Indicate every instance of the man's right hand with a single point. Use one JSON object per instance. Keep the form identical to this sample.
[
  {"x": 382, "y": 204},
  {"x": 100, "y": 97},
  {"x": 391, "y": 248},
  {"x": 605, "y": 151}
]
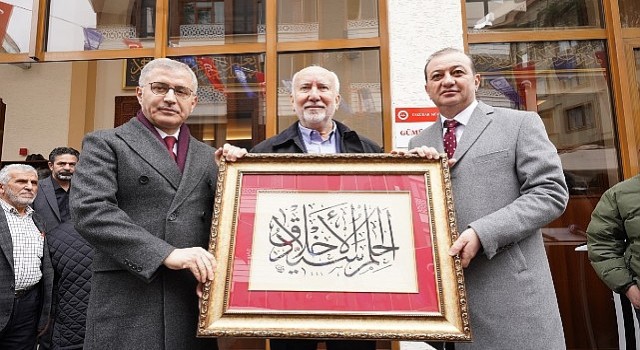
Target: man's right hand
[
  {"x": 424, "y": 152},
  {"x": 201, "y": 263},
  {"x": 633, "y": 293}
]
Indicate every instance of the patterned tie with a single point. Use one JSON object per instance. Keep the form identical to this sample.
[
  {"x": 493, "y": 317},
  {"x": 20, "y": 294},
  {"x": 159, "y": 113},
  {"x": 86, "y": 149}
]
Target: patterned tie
[
  {"x": 170, "y": 141},
  {"x": 450, "y": 137}
]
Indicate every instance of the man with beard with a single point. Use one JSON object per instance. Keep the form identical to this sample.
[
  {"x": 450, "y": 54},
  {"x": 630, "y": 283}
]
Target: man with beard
[
  {"x": 315, "y": 97},
  {"x": 53, "y": 202},
  {"x": 25, "y": 267},
  {"x": 71, "y": 255}
]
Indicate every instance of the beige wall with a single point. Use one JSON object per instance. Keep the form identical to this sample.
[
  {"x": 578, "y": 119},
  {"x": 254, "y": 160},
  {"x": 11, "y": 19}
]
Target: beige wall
[
  {"x": 108, "y": 86},
  {"x": 37, "y": 100},
  {"x": 53, "y": 104}
]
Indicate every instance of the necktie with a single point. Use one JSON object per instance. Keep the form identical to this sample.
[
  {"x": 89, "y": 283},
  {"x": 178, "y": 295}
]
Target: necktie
[
  {"x": 450, "y": 137},
  {"x": 170, "y": 141}
]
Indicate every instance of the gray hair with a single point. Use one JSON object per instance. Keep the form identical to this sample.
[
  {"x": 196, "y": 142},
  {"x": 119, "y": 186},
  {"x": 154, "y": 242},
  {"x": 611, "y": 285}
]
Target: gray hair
[
  {"x": 5, "y": 172},
  {"x": 168, "y": 64},
  {"x": 446, "y": 51},
  {"x": 333, "y": 75}
]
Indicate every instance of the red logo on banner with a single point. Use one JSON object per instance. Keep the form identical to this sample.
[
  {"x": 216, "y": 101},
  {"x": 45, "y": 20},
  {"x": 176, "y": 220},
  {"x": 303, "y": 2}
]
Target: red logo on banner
[
  {"x": 210, "y": 70},
  {"x": 5, "y": 15},
  {"x": 417, "y": 115}
]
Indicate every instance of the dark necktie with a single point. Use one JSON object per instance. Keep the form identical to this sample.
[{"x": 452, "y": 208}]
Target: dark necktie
[
  {"x": 450, "y": 137},
  {"x": 170, "y": 141}
]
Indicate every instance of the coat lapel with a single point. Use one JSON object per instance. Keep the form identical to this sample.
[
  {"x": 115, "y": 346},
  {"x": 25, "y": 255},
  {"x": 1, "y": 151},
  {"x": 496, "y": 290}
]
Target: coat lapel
[
  {"x": 50, "y": 195},
  {"x": 150, "y": 150},
  {"x": 433, "y": 137},
  {"x": 481, "y": 117},
  {"x": 6, "y": 243},
  {"x": 196, "y": 166}
]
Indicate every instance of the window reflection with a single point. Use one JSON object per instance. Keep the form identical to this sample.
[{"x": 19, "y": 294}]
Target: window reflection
[
  {"x": 629, "y": 13},
  {"x": 77, "y": 25},
  {"x": 492, "y": 15},
  {"x": 230, "y": 99},
  {"x": 304, "y": 20},
  {"x": 206, "y": 22},
  {"x": 359, "y": 74},
  {"x": 566, "y": 82},
  {"x": 15, "y": 26}
]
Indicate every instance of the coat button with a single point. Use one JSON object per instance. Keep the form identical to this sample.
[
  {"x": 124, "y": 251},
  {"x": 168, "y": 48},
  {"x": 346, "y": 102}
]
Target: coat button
[
  {"x": 173, "y": 216},
  {"x": 143, "y": 180}
]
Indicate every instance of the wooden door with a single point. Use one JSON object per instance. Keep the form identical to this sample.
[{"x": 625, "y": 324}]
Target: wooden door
[{"x": 126, "y": 108}]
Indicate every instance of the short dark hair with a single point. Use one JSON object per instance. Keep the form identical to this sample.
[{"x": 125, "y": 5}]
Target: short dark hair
[
  {"x": 445, "y": 51},
  {"x": 58, "y": 151}
]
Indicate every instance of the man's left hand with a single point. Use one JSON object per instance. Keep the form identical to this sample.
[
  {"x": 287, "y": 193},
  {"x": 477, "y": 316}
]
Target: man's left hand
[{"x": 467, "y": 246}]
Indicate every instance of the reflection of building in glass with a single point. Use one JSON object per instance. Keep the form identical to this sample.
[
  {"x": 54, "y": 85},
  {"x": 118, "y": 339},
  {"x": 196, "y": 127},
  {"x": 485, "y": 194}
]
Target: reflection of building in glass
[{"x": 566, "y": 83}]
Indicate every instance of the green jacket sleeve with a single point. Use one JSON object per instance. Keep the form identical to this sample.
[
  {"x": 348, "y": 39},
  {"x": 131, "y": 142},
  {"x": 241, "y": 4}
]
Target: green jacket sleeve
[{"x": 607, "y": 244}]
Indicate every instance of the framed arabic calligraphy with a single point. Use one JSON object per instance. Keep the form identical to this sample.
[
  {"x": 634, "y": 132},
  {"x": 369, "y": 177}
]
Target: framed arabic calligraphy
[
  {"x": 131, "y": 71},
  {"x": 334, "y": 246}
]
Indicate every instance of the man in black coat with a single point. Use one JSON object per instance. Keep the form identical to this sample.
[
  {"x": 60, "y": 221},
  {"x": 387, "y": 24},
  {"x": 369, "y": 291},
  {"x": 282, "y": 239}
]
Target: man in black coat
[
  {"x": 315, "y": 96},
  {"x": 52, "y": 202},
  {"x": 71, "y": 255}
]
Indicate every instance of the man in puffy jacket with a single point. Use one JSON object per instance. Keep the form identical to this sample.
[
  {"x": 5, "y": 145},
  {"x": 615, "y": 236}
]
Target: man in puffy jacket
[{"x": 613, "y": 239}]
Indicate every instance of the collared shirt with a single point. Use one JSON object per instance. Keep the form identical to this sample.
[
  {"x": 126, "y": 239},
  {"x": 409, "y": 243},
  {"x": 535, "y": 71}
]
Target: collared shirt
[
  {"x": 164, "y": 134},
  {"x": 28, "y": 246},
  {"x": 462, "y": 118},
  {"x": 314, "y": 143},
  {"x": 62, "y": 197}
]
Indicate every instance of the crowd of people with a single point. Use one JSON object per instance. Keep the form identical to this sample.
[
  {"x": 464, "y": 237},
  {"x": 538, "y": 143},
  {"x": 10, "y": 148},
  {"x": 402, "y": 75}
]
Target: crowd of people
[{"x": 110, "y": 250}]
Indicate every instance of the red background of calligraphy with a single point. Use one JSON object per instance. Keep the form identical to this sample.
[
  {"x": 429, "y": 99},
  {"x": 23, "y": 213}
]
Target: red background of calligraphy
[{"x": 426, "y": 300}]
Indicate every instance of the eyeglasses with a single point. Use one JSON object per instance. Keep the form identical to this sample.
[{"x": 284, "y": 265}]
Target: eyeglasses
[{"x": 162, "y": 89}]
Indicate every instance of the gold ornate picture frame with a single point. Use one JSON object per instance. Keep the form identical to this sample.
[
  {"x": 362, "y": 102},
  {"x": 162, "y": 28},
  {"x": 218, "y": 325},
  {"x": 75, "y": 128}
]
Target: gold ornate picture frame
[{"x": 334, "y": 246}]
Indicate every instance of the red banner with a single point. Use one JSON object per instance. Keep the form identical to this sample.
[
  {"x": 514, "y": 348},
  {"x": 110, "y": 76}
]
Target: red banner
[
  {"x": 5, "y": 15},
  {"x": 416, "y": 115},
  {"x": 526, "y": 83},
  {"x": 210, "y": 70}
]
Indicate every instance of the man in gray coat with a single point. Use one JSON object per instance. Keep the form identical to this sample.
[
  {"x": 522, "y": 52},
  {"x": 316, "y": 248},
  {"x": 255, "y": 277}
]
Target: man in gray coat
[
  {"x": 143, "y": 197},
  {"x": 507, "y": 183}
]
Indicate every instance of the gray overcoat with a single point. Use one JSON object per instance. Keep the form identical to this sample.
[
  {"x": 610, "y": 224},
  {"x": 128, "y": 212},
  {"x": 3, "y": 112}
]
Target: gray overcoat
[
  {"x": 130, "y": 201},
  {"x": 507, "y": 184}
]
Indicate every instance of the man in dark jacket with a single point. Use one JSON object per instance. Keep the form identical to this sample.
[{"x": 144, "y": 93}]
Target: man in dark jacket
[
  {"x": 315, "y": 95},
  {"x": 71, "y": 255},
  {"x": 52, "y": 202}
]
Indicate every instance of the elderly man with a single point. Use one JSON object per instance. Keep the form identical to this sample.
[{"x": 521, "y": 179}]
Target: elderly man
[
  {"x": 507, "y": 183},
  {"x": 25, "y": 268},
  {"x": 143, "y": 197},
  {"x": 315, "y": 96}
]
